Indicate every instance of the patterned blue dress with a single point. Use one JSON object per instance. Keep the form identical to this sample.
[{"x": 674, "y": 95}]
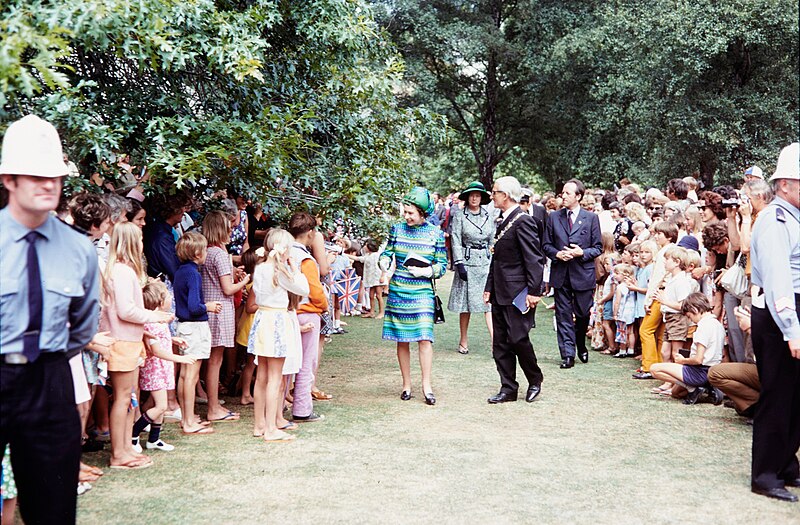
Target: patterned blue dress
[{"x": 409, "y": 307}]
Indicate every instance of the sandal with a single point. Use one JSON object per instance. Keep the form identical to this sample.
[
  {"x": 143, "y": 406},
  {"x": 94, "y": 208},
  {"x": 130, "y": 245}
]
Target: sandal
[
  {"x": 463, "y": 350},
  {"x": 319, "y": 395}
]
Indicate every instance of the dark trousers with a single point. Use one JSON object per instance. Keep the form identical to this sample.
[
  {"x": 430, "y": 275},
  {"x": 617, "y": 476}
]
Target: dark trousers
[
  {"x": 776, "y": 424},
  {"x": 40, "y": 421},
  {"x": 571, "y": 332},
  {"x": 511, "y": 343}
]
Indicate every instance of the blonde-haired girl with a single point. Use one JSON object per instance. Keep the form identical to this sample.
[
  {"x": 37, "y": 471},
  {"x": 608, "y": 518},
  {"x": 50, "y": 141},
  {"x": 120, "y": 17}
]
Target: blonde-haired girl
[
  {"x": 218, "y": 285},
  {"x": 124, "y": 316},
  {"x": 275, "y": 336}
]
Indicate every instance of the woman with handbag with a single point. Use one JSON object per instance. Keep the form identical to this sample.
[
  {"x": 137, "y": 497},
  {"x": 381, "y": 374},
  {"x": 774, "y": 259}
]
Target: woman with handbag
[
  {"x": 471, "y": 235},
  {"x": 420, "y": 257}
]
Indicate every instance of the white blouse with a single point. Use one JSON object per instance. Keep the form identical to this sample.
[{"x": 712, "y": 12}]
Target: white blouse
[{"x": 271, "y": 296}]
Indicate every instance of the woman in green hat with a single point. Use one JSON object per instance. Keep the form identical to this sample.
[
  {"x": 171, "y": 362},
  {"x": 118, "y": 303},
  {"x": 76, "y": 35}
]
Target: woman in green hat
[
  {"x": 471, "y": 235},
  {"x": 409, "y": 306}
]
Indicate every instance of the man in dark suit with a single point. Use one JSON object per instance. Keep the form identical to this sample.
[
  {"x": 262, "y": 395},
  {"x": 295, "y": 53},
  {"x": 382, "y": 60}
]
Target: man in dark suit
[
  {"x": 515, "y": 270},
  {"x": 572, "y": 241}
]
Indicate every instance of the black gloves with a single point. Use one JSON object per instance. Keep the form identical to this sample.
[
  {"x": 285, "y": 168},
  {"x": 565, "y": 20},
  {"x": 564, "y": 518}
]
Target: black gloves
[{"x": 462, "y": 271}]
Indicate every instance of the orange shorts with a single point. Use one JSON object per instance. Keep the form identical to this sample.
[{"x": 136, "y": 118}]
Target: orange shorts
[{"x": 125, "y": 355}]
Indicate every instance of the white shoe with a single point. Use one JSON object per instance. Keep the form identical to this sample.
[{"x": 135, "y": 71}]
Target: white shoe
[
  {"x": 160, "y": 445},
  {"x": 84, "y": 487},
  {"x": 136, "y": 446},
  {"x": 175, "y": 416}
]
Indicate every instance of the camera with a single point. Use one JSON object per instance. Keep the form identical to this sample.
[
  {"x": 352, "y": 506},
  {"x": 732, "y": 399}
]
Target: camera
[{"x": 731, "y": 203}]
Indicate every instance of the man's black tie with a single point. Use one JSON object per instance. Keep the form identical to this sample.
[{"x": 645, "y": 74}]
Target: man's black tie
[
  {"x": 30, "y": 340},
  {"x": 569, "y": 220}
]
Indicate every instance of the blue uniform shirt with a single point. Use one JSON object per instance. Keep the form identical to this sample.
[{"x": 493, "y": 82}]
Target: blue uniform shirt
[
  {"x": 775, "y": 261},
  {"x": 70, "y": 286}
]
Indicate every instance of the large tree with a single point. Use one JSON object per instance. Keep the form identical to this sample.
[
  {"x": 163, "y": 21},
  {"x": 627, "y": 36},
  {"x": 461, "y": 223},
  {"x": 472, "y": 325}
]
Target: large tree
[
  {"x": 292, "y": 100},
  {"x": 464, "y": 60},
  {"x": 659, "y": 89},
  {"x": 601, "y": 90}
]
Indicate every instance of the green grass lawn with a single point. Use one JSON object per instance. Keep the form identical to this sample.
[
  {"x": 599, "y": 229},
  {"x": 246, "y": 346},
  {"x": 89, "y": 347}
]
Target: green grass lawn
[{"x": 595, "y": 447}]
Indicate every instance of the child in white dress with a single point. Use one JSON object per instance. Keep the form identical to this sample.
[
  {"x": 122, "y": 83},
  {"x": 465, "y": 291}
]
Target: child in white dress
[{"x": 275, "y": 335}]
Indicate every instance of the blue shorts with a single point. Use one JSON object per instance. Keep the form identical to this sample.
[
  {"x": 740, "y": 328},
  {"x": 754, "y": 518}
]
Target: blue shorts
[
  {"x": 608, "y": 311},
  {"x": 695, "y": 375}
]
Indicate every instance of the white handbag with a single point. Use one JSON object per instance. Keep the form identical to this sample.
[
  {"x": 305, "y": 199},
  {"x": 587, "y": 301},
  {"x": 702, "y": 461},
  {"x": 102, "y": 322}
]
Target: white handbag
[{"x": 734, "y": 280}]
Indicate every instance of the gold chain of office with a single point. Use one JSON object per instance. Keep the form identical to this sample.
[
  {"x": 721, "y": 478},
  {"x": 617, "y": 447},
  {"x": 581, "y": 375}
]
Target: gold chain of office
[{"x": 504, "y": 230}]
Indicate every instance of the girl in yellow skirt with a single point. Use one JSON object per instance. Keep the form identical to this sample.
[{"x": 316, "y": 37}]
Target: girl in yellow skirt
[
  {"x": 275, "y": 335},
  {"x": 250, "y": 259}
]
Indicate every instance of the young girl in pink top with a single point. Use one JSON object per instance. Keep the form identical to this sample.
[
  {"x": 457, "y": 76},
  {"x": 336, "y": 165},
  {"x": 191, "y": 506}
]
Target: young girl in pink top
[
  {"x": 124, "y": 316},
  {"x": 158, "y": 373},
  {"x": 217, "y": 274}
]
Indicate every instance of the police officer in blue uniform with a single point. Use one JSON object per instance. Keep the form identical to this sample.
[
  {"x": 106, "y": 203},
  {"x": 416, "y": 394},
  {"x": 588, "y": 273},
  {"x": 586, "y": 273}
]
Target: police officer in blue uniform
[
  {"x": 49, "y": 286},
  {"x": 775, "y": 257}
]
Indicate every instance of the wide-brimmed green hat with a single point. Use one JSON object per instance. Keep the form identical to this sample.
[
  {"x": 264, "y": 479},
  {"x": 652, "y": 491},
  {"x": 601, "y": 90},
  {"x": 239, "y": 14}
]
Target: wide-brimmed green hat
[
  {"x": 478, "y": 187},
  {"x": 421, "y": 198}
]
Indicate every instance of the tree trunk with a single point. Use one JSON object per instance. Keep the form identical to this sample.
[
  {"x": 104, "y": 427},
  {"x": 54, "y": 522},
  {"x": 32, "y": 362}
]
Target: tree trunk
[
  {"x": 708, "y": 166},
  {"x": 490, "y": 153}
]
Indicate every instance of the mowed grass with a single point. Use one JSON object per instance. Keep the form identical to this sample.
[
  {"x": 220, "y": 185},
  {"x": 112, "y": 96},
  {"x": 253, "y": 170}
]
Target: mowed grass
[{"x": 596, "y": 447}]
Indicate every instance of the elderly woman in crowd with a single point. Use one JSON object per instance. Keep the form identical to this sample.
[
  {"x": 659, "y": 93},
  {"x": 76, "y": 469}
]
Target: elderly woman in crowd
[
  {"x": 419, "y": 253},
  {"x": 472, "y": 233}
]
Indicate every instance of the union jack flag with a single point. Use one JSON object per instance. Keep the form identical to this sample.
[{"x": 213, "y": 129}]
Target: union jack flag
[{"x": 346, "y": 285}]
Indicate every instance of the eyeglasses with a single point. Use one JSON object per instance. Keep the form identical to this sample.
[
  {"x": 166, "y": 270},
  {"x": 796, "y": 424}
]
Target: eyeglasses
[
  {"x": 497, "y": 191},
  {"x": 654, "y": 208}
]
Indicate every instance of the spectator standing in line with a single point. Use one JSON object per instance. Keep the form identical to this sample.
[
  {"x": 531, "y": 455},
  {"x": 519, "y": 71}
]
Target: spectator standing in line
[
  {"x": 775, "y": 252},
  {"x": 42, "y": 326}
]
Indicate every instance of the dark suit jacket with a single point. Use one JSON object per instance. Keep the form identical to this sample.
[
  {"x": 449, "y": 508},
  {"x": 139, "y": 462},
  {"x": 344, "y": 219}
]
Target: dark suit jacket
[
  {"x": 586, "y": 234},
  {"x": 517, "y": 260}
]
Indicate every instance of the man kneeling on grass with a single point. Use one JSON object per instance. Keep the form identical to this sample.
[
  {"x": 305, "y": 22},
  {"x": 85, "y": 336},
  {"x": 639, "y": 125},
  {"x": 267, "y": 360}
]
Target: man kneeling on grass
[{"x": 692, "y": 372}]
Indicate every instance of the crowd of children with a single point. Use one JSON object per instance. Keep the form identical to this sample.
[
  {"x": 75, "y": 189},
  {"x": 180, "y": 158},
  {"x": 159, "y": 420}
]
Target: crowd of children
[{"x": 171, "y": 318}]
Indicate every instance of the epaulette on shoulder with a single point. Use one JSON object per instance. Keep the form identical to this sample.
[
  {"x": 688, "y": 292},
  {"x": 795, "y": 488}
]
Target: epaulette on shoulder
[{"x": 780, "y": 215}]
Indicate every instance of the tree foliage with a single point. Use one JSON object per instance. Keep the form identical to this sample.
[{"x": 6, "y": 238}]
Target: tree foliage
[
  {"x": 602, "y": 90},
  {"x": 464, "y": 62},
  {"x": 293, "y": 101}
]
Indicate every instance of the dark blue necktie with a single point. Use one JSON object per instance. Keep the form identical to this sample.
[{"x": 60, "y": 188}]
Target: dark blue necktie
[{"x": 30, "y": 341}]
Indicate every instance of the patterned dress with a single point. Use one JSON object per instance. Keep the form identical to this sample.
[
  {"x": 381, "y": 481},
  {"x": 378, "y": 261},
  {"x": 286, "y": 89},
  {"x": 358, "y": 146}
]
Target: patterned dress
[
  {"x": 409, "y": 307},
  {"x": 238, "y": 235},
  {"x": 222, "y": 325},
  {"x": 471, "y": 235},
  {"x": 157, "y": 373}
]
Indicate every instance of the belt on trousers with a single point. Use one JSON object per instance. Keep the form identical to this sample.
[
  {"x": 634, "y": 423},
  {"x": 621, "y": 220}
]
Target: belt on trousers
[{"x": 17, "y": 358}]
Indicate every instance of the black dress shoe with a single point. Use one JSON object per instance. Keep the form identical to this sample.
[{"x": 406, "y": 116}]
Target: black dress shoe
[
  {"x": 568, "y": 362},
  {"x": 502, "y": 397},
  {"x": 406, "y": 395},
  {"x": 716, "y": 396},
  {"x": 430, "y": 399},
  {"x": 776, "y": 493},
  {"x": 583, "y": 355},
  {"x": 693, "y": 396},
  {"x": 793, "y": 482},
  {"x": 533, "y": 391}
]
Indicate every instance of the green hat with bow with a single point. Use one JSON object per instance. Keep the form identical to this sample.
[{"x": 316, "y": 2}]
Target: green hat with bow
[{"x": 420, "y": 198}]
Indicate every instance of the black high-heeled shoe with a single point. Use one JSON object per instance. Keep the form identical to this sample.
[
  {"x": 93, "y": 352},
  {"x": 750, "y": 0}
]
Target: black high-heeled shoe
[
  {"x": 430, "y": 399},
  {"x": 406, "y": 395}
]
